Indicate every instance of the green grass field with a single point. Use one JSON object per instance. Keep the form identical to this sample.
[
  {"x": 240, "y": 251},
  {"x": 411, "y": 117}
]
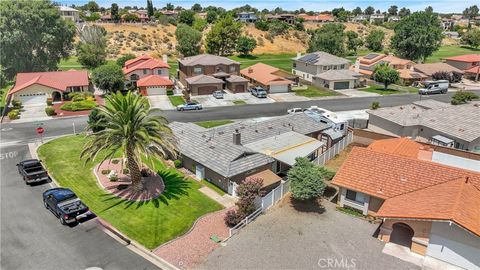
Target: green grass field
[
  {"x": 72, "y": 63},
  {"x": 150, "y": 223},
  {"x": 215, "y": 123},
  {"x": 176, "y": 100},
  {"x": 313, "y": 91},
  {"x": 281, "y": 61},
  {"x": 392, "y": 89},
  {"x": 449, "y": 51}
]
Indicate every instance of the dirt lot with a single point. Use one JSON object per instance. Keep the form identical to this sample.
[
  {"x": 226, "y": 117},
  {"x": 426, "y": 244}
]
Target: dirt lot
[{"x": 335, "y": 163}]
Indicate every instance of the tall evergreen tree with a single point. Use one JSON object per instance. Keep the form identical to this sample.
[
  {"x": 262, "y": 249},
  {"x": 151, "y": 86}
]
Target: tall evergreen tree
[
  {"x": 149, "y": 8},
  {"x": 222, "y": 38}
]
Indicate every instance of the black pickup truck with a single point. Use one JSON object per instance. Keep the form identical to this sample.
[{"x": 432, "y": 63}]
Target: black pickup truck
[
  {"x": 65, "y": 205},
  {"x": 32, "y": 171}
]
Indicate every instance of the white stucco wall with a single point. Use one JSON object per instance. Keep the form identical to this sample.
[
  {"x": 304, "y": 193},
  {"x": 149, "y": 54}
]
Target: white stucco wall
[
  {"x": 140, "y": 74},
  {"x": 454, "y": 245},
  {"x": 343, "y": 201}
]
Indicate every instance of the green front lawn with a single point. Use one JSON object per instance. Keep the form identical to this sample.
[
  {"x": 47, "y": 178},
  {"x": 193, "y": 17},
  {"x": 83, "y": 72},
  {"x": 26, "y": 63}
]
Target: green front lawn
[
  {"x": 176, "y": 100},
  {"x": 150, "y": 223},
  {"x": 213, "y": 187},
  {"x": 313, "y": 91},
  {"x": 214, "y": 123},
  {"x": 392, "y": 89},
  {"x": 239, "y": 102}
]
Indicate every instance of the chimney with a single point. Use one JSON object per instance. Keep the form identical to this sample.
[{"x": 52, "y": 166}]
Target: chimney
[
  {"x": 165, "y": 58},
  {"x": 357, "y": 66},
  {"x": 237, "y": 139},
  {"x": 299, "y": 54}
]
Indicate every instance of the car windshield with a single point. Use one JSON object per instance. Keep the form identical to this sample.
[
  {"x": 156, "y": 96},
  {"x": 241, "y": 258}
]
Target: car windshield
[
  {"x": 192, "y": 104},
  {"x": 63, "y": 195}
]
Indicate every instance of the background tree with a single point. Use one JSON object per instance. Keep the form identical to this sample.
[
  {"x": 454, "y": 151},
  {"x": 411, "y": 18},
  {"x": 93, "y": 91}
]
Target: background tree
[
  {"x": 114, "y": 12},
  {"x": 472, "y": 38},
  {"x": 353, "y": 41},
  {"x": 245, "y": 45},
  {"x": 429, "y": 9},
  {"x": 369, "y": 10},
  {"x": 211, "y": 16},
  {"x": 33, "y": 37},
  {"x": 357, "y": 11},
  {"x": 329, "y": 38},
  {"x": 417, "y": 36},
  {"x": 337, "y": 11},
  {"x": 109, "y": 77},
  {"x": 92, "y": 45},
  {"x": 169, "y": 6},
  {"x": 188, "y": 40},
  {"x": 124, "y": 58},
  {"x": 404, "y": 12},
  {"x": 149, "y": 8},
  {"x": 187, "y": 17},
  {"x": 199, "y": 24},
  {"x": 343, "y": 15},
  {"x": 374, "y": 40},
  {"x": 223, "y": 36},
  {"x": 383, "y": 73},
  {"x": 131, "y": 129},
  {"x": 470, "y": 13},
  {"x": 393, "y": 10},
  {"x": 131, "y": 17},
  {"x": 92, "y": 6},
  {"x": 276, "y": 28},
  {"x": 306, "y": 180},
  {"x": 197, "y": 7}
]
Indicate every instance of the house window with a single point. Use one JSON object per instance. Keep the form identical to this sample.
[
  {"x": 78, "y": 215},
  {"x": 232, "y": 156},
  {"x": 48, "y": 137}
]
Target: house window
[
  {"x": 335, "y": 67},
  {"x": 144, "y": 71},
  {"x": 342, "y": 67},
  {"x": 324, "y": 67},
  {"x": 351, "y": 195},
  {"x": 294, "y": 65},
  {"x": 159, "y": 72},
  {"x": 232, "y": 68},
  {"x": 197, "y": 70}
]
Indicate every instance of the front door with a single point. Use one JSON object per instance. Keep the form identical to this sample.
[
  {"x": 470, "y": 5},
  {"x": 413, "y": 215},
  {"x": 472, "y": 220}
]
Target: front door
[
  {"x": 232, "y": 188},
  {"x": 199, "y": 172}
]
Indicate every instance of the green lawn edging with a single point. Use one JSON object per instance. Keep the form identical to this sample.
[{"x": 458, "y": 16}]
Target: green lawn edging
[
  {"x": 213, "y": 123},
  {"x": 150, "y": 223},
  {"x": 176, "y": 100}
]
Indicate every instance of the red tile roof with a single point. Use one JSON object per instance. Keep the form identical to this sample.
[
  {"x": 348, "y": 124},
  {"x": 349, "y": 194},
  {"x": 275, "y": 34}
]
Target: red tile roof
[
  {"x": 456, "y": 200},
  {"x": 465, "y": 58},
  {"x": 59, "y": 80},
  {"x": 403, "y": 147},
  {"x": 473, "y": 70},
  {"x": 263, "y": 74},
  {"x": 143, "y": 62},
  {"x": 154, "y": 80},
  {"x": 386, "y": 175},
  {"x": 320, "y": 17}
]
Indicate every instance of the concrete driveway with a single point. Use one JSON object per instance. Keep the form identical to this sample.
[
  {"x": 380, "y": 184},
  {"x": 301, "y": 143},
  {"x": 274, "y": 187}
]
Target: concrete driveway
[
  {"x": 307, "y": 238},
  {"x": 160, "y": 102},
  {"x": 32, "y": 113},
  {"x": 229, "y": 99}
]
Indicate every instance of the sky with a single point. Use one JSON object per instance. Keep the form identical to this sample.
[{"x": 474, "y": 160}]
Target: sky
[{"x": 441, "y": 6}]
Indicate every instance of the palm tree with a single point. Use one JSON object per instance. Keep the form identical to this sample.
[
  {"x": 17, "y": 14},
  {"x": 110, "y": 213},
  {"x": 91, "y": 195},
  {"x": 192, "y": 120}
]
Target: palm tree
[{"x": 130, "y": 129}]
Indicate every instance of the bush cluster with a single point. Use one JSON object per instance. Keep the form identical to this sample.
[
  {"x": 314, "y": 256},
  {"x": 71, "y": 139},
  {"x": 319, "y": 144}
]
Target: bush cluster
[
  {"x": 177, "y": 163},
  {"x": 14, "y": 114},
  {"x": 78, "y": 105},
  {"x": 50, "y": 111}
]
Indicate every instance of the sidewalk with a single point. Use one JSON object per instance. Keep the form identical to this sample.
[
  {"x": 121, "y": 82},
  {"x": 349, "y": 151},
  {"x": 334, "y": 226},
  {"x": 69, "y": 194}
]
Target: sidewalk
[{"x": 226, "y": 200}]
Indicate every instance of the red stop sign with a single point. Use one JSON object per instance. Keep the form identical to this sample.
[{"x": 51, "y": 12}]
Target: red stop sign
[{"x": 40, "y": 130}]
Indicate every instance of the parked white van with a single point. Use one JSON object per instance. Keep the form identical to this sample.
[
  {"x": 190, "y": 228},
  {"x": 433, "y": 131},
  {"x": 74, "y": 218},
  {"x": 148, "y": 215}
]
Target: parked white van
[{"x": 434, "y": 87}]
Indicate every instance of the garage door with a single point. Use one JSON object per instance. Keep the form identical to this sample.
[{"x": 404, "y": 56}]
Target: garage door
[
  {"x": 240, "y": 88},
  {"x": 152, "y": 91},
  {"x": 206, "y": 90},
  {"x": 341, "y": 85},
  {"x": 278, "y": 89},
  {"x": 30, "y": 99}
]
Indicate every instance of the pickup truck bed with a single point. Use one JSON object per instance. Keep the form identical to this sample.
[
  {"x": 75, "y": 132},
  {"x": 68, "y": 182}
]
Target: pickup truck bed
[{"x": 32, "y": 171}]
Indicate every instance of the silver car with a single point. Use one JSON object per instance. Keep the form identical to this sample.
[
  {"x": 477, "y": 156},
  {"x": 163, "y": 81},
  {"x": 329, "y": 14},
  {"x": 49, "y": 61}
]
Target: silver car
[{"x": 218, "y": 94}]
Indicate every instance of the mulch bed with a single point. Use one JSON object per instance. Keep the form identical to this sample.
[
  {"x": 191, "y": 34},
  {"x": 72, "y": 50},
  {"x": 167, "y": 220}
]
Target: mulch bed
[
  {"x": 122, "y": 188},
  {"x": 62, "y": 113}
]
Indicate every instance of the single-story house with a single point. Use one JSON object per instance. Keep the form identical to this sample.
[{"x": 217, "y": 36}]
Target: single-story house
[
  {"x": 430, "y": 69},
  {"x": 227, "y": 154},
  {"x": 464, "y": 62},
  {"x": 366, "y": 65},
  {"x": 270, "y": 78},
  {"x": 377, "y": 18},
  {"x": 473, "y": 73},
  {"x": 154, "y": 85},
  {"x": 424, "y": 120},
  {"x": 338, "y": 79},
  {"x": 36, "y": 87},
  {"x": 288, "y": 18},
  {"x": 426, "y": 205},
  {"x": 143, "y": 66}
]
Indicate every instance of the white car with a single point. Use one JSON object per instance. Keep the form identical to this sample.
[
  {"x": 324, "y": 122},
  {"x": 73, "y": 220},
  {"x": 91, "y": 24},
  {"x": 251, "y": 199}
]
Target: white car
[
  {"x": 319, "y": 110},
  {"x": 295, "y": 110}
]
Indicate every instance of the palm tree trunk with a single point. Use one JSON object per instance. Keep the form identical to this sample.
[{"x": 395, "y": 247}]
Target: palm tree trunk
[{"x": 135, "y": 174}]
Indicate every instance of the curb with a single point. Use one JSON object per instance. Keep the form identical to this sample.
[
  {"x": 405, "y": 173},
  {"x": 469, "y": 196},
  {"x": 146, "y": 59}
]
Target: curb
[{"x": 134, "y": 246}]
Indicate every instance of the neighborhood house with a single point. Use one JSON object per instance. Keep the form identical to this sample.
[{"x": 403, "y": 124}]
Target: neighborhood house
[
  {"x": 427, "y": 202},
  {"x": 431, "y": 121},
  {"x": 143, "y": 66},
  {"x": 469, "y": 63},
  {"x": 326, "y": 70},
  {"x": 270, "y": 78},
  {"x": 430, "y": 69},
  {"x": 36, "y": 87},
  {"x": 203, "y": 74},
  {"x": 246, "y": 148}
]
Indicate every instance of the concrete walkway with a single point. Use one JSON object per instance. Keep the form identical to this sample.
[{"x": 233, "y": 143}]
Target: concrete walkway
[
  {"x": 32, "y": 113},
  {"x": 226, "y": 200}
]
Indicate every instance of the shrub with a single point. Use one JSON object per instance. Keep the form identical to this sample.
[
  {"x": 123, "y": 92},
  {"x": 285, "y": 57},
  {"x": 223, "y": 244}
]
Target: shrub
[
  {"x": 78, "y": 98},
  {"x": 49, "y": 101},
  {"x": 177, "y": 163},
  {"x": 106, "y": 171},
  {"x": 115, "y": 161},
  {"x": 113, "y": 178},
  {"x": 50, "y": 111},
  {"x": 125, "y": 171},
  {"x": 78, "y": 105},
  {"x": 375, "y": 105},
  {"x": 17, "y": 104},
  {"x": 14, "y": 114},
  {"x": 462, "y": 97},
  {"x": 232, "y": 218},
  {"x": 146, "y": 172},
  {"x": 307, "y": 179},
  {"x": 169, "y": 92}
]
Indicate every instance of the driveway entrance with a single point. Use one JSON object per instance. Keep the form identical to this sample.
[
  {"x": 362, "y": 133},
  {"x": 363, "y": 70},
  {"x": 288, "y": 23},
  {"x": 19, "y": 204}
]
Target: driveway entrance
[{"x": 402, "y": 235}]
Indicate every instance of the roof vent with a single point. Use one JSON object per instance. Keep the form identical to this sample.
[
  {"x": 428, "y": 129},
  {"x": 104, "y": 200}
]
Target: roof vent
[
  {"x": 211, "y": 147},
  {"x": 270, "y": 127},
  {"x": 461, "y": 129},
  {"x": 403, "y": 179}
]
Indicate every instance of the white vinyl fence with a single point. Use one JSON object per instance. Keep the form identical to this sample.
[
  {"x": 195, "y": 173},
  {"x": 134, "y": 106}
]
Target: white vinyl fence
[
  {"x": 262, "y": 204},
  {"x": 334, "y": 150}
]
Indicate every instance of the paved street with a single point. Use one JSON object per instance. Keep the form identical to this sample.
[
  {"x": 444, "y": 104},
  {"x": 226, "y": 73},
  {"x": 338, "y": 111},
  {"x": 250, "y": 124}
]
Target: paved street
[{"x": 32, "y": 238}]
